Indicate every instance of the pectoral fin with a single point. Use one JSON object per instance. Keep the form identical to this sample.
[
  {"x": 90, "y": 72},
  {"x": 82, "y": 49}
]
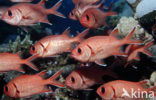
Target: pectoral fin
[{"x": 101, "y": 63}]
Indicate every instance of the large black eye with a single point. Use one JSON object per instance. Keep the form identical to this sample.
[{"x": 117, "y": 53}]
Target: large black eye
[
  {"x": 9, "y": 13},
  {"x": 79, "y": 50},
  {"x": 72, "y": 13},
  {"x": 6, "y": 88},
  {"x": 87, "y": 17},
  {"x": 102, "y": 90},
  {"x": 33, "y": 48},
  {"x": 72, "y": 79}
]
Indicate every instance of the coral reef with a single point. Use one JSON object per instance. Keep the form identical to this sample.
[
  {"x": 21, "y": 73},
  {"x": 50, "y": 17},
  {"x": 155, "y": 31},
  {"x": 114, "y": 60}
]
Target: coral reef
[
  {"x": 145, "y": 23},
  {"x": 17, "y": 45},
  {"x": 126, "y": 24}
]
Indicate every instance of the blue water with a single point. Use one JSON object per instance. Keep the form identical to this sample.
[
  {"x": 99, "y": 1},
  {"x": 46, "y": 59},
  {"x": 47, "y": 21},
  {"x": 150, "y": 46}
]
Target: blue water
[
  {"x": 59, "y": 24},
  {"x": 66, "y": 8}
]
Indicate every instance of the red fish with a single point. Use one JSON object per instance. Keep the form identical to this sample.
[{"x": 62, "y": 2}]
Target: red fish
[
  {"x": 99, "y": 47},
  {"x": 28, "y": 85},
  {"x": 133, "y": 50},
  {"x": 94, "y": 18},
  {"x": 77, "y": 12},
  {"x": 55, "y": 44},
  {"x": 9, "y": 61},
  {"x": 116, "y": 89},
  {"x": 84, "y": 78},
  {"x": 26, "y": 14},
  {"x": 21, "y": 0}
]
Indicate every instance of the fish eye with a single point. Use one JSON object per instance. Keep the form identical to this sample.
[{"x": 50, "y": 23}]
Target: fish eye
[
  {"x": 33, "y": 48},
  {"x": 9, "y": 13},
  {"x": 102, "y": 90},
  {"x": 79, "y": 50},
  {"x": 6, "y": 88},
  {"x": 72, "y": 13},
  {"x": 87, "y": 17},
  {"x": 72, "y": 79}
]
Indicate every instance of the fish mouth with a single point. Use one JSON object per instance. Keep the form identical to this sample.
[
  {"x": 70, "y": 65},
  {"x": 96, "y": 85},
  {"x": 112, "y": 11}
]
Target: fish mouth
[
  {"x": 97, "y": 91},
  {"x": 84, "y": 24},
  {"x": 3, "y": 18},
  {"x": 74, "y": 56},
  {"x": 68, "y": 84}
]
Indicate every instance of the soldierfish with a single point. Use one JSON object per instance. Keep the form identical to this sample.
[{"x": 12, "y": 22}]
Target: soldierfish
[
  {"x": 28, "y": 85},
  {"x": 95, "y": 17},
  {"x": 133, "y": 50},
  {"x": 54, "y": 44},
  {"x": 9, "y": 61},
  {"x": 21, "y": 0},
  {"x": 99, "y": 47},
  {"x": 77, "y": 12},
  {"x": 85, "y": 77},
  {"x": 26, "y": 14},
  {"x": 122, "y": 89}
]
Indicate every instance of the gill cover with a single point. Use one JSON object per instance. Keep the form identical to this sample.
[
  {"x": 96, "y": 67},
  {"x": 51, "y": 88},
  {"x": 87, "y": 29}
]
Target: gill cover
[
  {"x": 11, "y": 90},
  {"x": 12, "y": 16}
]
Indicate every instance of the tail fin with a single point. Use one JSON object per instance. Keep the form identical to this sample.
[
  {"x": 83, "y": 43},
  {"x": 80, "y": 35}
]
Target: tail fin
[
  {"x": 144, "y": 49},
  {"x": 52, "y": 80},
  {"x": 149, "y": 44},
  {"x": 152, "y": 89},
  {"x": 81, "y": 35},
  {"x": 28, "y": 62},
  {"x": 128, "y": 40},
  {"x": 54, "y": 8}
]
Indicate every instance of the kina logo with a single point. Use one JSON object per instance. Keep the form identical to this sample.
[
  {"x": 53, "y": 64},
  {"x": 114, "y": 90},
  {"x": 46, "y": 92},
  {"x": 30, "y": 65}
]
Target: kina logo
[{"x": 125, "y": 94}]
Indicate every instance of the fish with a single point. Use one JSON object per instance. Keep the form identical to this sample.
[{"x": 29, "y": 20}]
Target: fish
[
  {"x": 94, "y": 18},
  {"x": 28, "y": 85},
  {"x": 79, "y": 9},
  {"x": 21, "y": 0},
  {"x": 133, "y": 50},
  {"x": 52, "y": 45},
  {"x": 86, "y": 2},
  {"x": 85, "y": 77},
  {"x": 116, "y": 89},
  {"x": 96, "y": 48},
  {"x": 2, "y": 10},
  {"x": 10, "y": 61},
  {"x": 27, "y": 14}
]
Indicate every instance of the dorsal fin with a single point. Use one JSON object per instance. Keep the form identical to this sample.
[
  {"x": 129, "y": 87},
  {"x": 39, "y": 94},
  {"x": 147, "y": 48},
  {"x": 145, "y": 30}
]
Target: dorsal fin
[
  {"x": 66, "y": 32},
  {"x": 114, "y": 32}
]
